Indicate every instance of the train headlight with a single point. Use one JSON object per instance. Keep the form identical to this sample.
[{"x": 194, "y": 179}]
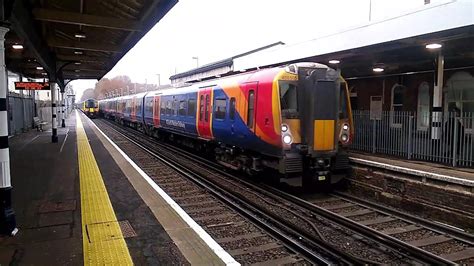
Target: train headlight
[
  {"x": 345, "y": 127},
  {"x": 287, "y": 139},
  {"x": 284, "y": 128},
  {"x": 344, "y": 137}
]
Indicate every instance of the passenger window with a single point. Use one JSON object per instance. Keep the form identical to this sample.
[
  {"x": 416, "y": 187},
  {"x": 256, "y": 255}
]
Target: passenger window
[
  {"x": 206, "y": 117},
  {"x": 169, "y": 110},
  {"x": 220, "y": 108},
  {"x": 201, "y": 107},
  {"x": 182, "y": 108},
  {"x": 175, "y": 106},
  {"x": 250, "y": 113},
  {"x": 163, "y": 107},
  {"x": 232, "y": 108},
  {"x": 191, "y": 107}
]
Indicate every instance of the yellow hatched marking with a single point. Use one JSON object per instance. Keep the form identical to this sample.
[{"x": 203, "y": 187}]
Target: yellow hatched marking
[{"x": 102, "y": 237}]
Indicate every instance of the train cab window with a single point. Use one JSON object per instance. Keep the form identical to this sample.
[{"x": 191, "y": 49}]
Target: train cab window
[
  {"x": 251, "y": 109},
  {"x": 206, "y": 117},
  {"x": 232, "y": 108},
  {"x": 201, "y": 107},
  {"x": 288, "y": 99},
  {"x": 343, "y": 113},
  {"x": 191, "y": 107},
  {"x": 182, "y": 108},
  {"x": 220, "y": 108}
]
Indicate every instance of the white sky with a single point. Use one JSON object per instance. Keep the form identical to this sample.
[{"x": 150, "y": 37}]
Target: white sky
[{"x": 216, "y": 29}]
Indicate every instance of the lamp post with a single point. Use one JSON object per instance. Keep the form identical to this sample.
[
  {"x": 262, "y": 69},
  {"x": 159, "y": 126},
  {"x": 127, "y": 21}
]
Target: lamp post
[{"x": 197, "y": 61}]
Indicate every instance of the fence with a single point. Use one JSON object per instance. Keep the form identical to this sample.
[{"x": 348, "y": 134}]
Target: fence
[
  {"x": 404, "y": 134},
  {"x": 20, "y": 113}
]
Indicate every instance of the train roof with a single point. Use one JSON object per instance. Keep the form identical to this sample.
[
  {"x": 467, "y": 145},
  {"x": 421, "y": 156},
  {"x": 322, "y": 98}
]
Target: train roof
[{"x": 241, "y": 77}]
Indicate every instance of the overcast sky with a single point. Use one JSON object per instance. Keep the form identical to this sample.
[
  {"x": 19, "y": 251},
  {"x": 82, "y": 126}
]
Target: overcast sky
[{"x": 216, "y": 29}]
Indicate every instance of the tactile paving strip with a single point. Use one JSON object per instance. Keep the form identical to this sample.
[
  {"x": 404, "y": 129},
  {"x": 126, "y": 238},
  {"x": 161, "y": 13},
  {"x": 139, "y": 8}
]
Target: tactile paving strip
[{"x": 103, "y": 240}]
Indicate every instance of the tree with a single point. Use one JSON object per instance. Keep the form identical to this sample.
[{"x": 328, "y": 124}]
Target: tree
[{"x": 88, "y": 94}]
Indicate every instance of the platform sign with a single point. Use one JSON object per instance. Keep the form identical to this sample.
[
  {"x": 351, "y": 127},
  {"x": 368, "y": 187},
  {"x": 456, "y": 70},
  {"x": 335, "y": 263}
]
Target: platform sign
[
  {"x": 376, "y": 107},
  {"x": 33, "y": 86}
]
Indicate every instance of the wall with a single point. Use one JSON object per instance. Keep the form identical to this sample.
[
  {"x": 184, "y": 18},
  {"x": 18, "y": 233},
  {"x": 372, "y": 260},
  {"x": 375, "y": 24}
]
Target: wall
[{"x": 382, "y": 86}]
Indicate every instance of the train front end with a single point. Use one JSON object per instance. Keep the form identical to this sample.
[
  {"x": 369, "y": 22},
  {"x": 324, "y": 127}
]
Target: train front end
[
  {"x": 316, "y": 124},
  {"x": 91, "y": 108}
]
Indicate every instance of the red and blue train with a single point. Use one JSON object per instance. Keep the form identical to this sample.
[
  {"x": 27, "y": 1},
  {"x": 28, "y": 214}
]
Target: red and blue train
[{"x": 294, "y": 119}]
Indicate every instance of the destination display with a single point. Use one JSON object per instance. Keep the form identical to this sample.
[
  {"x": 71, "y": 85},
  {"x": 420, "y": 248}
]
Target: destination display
[{"x": 35, "y": 86}]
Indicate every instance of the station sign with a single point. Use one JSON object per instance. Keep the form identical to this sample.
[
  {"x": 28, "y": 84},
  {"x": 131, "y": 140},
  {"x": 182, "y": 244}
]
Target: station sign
[{"x": 34, "y": 86}]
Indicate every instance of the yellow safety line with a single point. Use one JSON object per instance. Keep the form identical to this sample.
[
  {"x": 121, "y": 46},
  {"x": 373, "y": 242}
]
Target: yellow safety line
[{"x": 102, "y": 237}]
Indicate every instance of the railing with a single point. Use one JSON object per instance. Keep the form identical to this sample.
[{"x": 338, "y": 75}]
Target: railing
[{"x": 408, "y": 135}]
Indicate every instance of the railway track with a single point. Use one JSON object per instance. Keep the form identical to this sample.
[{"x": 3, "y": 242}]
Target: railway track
[
  {"x": 442, "y": 240},
  {"x": 310, "y": 228}
]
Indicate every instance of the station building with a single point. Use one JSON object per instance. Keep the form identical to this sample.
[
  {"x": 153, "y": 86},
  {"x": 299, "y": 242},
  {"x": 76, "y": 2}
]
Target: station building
[{"x": 408, "y": 75}]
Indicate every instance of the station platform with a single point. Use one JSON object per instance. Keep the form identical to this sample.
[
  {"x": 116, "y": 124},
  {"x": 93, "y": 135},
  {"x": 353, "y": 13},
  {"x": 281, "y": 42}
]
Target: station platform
[
  {"x": 79, "y": 201},
  {"x": 445, "y": 173}
]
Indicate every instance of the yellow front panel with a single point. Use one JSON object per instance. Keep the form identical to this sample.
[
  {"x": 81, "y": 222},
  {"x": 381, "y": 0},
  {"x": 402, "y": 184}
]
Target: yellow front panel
[
  {"x": 323, "y": 135},
  {"x": 295, "y": 129}
]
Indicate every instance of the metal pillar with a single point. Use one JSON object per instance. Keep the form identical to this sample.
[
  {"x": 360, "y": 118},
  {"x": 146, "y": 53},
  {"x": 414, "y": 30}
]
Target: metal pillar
[
  {"x": 54, "y": 123},
  {"x": 63, "y": 124},
  {"x": 436, "y": 124},
  {"x": 7, "y": 215}
]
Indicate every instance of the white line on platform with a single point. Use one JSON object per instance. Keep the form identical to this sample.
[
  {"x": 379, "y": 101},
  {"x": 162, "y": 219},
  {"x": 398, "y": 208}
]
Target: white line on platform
[
  {"x": 421, "y": 173},
  {"x": 64, "y": 142},
  {"x": 215, "y": 247}
]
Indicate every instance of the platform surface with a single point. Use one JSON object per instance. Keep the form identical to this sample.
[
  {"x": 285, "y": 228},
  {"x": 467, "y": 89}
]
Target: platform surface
[
  {"x": 47, "y": 189},
  {"x": 464, "y": 173}
]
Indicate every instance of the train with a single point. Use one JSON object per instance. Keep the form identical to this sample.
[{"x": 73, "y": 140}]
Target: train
[
  {"x": 89, "y": 107},
  {"x": 292, "y": 120}
]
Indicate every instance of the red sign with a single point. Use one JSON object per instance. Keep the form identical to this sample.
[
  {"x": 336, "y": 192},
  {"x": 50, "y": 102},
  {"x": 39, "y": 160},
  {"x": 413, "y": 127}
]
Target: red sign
[{"x": 35, "y": 86}]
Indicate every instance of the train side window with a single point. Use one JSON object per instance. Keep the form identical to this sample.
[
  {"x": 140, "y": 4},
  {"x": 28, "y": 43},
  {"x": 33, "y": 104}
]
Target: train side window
[
  {"x": 232, "y": 108},
  {"x": 169, "y": 111},
  {"x": 220, "y": 108},
  {"x": 191, "y": 107},
  {"x": 149, "y": 105},
  {"x": 201, "y": 107},
  {"x": 206, "y": 117},
  {"x": 175, "y": 106},
  {"x": 163, "y": 107},
  {"x": 251, "y": 109},
  {"x": 182, "y": 108}
]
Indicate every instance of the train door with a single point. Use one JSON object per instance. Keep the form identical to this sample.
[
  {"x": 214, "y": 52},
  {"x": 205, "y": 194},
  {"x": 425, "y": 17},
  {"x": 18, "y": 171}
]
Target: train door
[
  {"x": 204, "y": 116},
  {"x": 249, "y": 91},
  {"x": 156, "y": 111},
  {"x": 133, "y": 113}
]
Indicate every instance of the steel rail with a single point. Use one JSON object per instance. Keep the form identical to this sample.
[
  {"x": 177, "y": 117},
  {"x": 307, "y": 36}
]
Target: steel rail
[
  {"x": 256, "y": 216},
  {"x": 394, "y": 243},
  {"x": 440, "y": 228}
]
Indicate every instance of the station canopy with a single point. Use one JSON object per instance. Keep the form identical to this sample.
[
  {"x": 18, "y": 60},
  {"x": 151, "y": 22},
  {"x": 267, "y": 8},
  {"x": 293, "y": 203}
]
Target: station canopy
[
  {"x": 74, "y": 39},
  {"x": 395, "y": 44}
]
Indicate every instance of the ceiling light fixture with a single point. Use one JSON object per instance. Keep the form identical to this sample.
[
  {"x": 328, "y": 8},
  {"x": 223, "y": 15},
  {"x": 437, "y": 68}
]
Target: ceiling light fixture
[
  {"x": 433, "y": 46},
  {"x": 17, "y": 46},
  {"x": 78, "y": 52},
  {"x": 77, "y": 70},
  {"x": 377, "y": 69},
  {"x": 39, "y": 68},
  {"x": 80, "y": 35},
  {"x": 77, "y": 63},
  {"x": 334, "y": 61}
]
